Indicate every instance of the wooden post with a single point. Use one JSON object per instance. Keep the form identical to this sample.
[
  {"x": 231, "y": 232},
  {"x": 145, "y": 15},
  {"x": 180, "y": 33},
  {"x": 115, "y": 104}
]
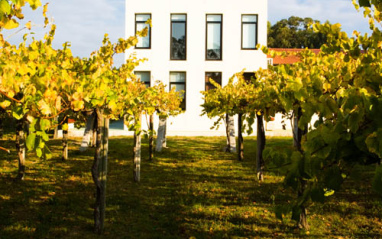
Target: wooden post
[
  {"x": 99, "y": 170},
  {"x": 161, "y": 137},
  {"x": 137, "y": 154},
  {"x": 65, "y": 140},
  {"x": 89, "y": 128},
  {"x": 151, "y": 138},
  {"x": 240, "y": 152},
  {"x": 230, "y": 132},
  {"x": 103, "y": 168}
]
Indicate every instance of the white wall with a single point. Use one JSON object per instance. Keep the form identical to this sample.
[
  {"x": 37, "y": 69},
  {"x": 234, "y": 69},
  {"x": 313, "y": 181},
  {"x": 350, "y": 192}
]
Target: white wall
[{"x": 234, "y": 59}]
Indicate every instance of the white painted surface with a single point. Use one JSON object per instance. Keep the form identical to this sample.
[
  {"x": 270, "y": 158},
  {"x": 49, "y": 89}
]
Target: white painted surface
[{"x": 234, "y": 59}]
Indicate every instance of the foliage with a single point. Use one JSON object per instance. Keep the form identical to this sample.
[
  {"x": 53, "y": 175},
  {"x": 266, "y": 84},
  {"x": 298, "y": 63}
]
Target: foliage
[
  {"x": 294, "y": 32},
  {"x": 11, "y": 12},
  {"x": 341, "y": 86},
  {"x": 38, "y": 83},
  {"x": 242, "y": 97}
]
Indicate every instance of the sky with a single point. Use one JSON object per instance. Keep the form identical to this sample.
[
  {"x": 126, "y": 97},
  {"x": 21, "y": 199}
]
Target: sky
[{"x": 83, "y": 23}]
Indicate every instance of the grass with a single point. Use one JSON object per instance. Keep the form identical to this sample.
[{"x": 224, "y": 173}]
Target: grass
[{"x": 191, "y": 190}]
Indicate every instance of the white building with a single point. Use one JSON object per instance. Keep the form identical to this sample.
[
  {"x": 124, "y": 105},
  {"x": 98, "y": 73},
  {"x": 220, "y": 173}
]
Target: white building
[{"x": 191, "y": 41}]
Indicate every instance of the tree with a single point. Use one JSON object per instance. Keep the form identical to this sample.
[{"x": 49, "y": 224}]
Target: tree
[
  {"x": 294, "y": 32},
  {"x": 250, "y": 100}
]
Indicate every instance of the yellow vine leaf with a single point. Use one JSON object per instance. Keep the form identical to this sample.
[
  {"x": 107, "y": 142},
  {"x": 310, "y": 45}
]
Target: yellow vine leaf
[
  {"x": 65, "y": 126},
  {"x": 58, "y": 103},
  {"x": 44, "y": 107},
  {"x": 28, "y": 25},
  {"x": 45, "y": 10},
  {"x": 78, "y": 105},
  {"x": 11, "y": 24},
  {"x": 34, "y": 4},
  {"x": 5, "y": 104}
]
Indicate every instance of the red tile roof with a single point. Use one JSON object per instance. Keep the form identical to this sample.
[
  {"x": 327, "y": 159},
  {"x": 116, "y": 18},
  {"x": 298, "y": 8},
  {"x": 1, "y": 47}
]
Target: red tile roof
[{"x": 288, "y": 59}]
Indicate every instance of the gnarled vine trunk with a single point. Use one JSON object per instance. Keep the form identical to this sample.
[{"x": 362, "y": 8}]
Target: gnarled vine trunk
[
  {"x": 260, "y": 147},
  {"x": 298, "y": 134},
  {"x": 230, "y": 132},
  {"x": 99, "y": 169},
  {"x": 161, "y": 137},
  {"x": 1, "y": 124},
  {"x": 55, "y": 132},
  {"x": 93, "y": 141},
  {"x": 240, "y": 145},
  {"x": 20, "y": 147}
]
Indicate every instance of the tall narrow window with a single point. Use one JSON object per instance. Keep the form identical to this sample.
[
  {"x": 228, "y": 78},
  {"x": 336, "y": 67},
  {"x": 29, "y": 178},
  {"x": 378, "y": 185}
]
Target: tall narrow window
[
  {"x": 140, "y": 24},
  {"x": 214, "y": 37},
  {"x": 178, "y": 82},
  {"x": 248, "y": 32},
  {"x": 144, "y": 76},
  {"x": 178, "y": 37},
  {"x": 216, "y": 76}
]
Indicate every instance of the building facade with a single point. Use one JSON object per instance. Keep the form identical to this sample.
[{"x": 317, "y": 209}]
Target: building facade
[{"x": 191, "y": 41}]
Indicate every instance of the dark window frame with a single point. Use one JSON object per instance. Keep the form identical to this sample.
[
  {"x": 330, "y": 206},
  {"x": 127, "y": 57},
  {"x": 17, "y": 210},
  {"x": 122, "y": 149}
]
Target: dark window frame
[
  {"x": 221, "y": 36},
  {"x": 208, "y": 83},
  {"x": 145, "y": 82},
  {"x": 149, "y": 33},
  {"x": 180, "y": 83},
  {"x": 185, "y": 26},
  {"x": 242, "y": 30}
]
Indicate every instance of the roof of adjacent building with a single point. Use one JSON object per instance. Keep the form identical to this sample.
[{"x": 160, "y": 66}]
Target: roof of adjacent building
[{"x": 290, "y": 59}]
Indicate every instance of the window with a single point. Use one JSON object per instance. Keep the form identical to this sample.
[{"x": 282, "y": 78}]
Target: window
[
  {"x": 144, "y": 76},
  {"x": 178, "y": 81},
  {"x": 248, "y": 32},
  {"x": 214, "y": 37},
  {"x": 140, "y": 24},
  {"x": 216, "y": 76},
  {"x": 178, "y": 49},
  {"x": 248, "y": 76}
]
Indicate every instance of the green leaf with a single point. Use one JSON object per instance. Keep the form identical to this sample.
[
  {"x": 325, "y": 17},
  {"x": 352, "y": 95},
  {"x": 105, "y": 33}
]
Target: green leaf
[
  {"x": 44, "y": 124},
  {"x": 45, "y": 136},
  {"x": 5, "y": 8},
  {"x": 329, "y": 192},
  {"x": 18, "y": 113},
  {"x": 47, "y": 153},
  {"x": 39, "y": 152},
  {"x": 31, "y": 140}
]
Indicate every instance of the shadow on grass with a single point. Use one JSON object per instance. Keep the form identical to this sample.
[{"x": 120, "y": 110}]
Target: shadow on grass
[{"x": 191, "y": 189}]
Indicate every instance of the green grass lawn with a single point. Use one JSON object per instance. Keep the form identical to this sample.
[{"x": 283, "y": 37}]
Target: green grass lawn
[{"x": 191, "y": 190}]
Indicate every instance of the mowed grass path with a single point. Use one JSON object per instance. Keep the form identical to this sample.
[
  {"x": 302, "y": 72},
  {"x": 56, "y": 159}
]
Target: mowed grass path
[{"x": 191, "y": 190}]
